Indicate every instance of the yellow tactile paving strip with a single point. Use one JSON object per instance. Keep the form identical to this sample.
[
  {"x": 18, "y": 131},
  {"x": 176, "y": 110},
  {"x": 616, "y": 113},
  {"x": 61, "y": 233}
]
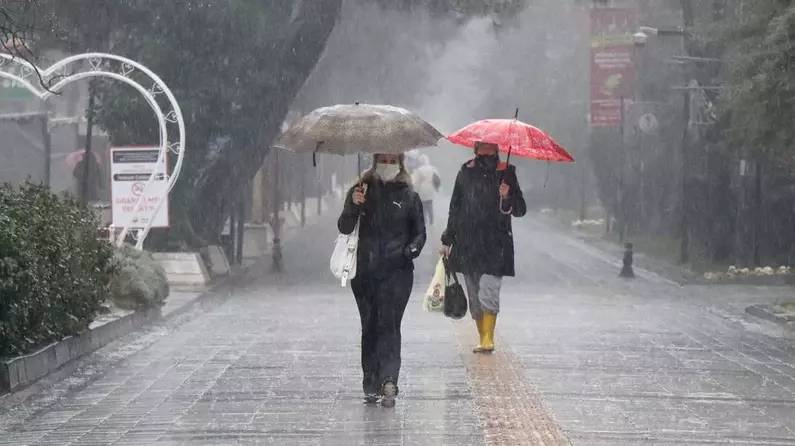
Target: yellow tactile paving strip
[{"x": 510, "y": 409}]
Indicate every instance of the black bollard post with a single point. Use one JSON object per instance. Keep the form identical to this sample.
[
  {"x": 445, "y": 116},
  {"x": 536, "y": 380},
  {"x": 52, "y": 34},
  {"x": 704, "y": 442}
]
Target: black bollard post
[{"x": 626, "y": 270}]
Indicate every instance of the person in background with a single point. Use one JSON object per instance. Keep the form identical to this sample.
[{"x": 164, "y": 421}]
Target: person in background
[
  {"x": 478, "y": 240},
  {"x": 411, "y": 160},
  {"x": 426, "y": 182},
  {"x": 89, "y": 189},
  {"x": 391, "y": 236}
]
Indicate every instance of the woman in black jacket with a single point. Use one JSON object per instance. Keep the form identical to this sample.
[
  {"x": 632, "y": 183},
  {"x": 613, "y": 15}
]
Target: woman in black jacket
[
  {"x": 479, "y": 237},
  {"x": 391, "y": 236}
]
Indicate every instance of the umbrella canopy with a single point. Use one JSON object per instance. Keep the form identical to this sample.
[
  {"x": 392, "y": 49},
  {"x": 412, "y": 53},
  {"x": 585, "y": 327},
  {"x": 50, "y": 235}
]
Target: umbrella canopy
[
  {"x": 513, "y": 137},
  {"x": 355, "y": 128},
  {"x": 74, "y": 158}
]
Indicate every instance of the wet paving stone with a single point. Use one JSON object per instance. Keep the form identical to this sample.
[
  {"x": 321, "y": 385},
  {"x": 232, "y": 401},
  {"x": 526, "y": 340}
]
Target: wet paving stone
[{"x": 582, "y": 358}]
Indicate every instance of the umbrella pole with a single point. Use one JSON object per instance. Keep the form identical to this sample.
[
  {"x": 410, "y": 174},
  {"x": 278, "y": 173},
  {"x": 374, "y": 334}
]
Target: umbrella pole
[
  {"x": 502, "y": 179},
  {"x": 515, "y": 118},
  {"x": 507, "y": 164},
  {"x": 359, "y": 167}
]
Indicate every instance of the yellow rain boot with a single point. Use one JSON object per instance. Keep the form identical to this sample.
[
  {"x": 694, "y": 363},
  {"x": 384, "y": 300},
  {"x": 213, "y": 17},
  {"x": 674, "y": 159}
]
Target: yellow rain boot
[
  {"x": 489, "y": 321},
  {"x": 481, "y": 332}
]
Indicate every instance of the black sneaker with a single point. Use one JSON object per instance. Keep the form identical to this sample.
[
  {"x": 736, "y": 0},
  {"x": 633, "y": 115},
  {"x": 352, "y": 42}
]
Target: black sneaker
[
  {"x": 389, "y": 394},
  {"x": 371, "y": 398}
]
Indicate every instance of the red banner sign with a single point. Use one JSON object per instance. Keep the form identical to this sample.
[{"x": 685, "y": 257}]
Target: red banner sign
[{"x": 612, "y": 67}]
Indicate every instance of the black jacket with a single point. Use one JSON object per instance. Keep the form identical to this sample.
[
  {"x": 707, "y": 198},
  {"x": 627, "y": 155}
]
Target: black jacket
[
  {"x": 392, "y": 228},
  {"x": 480, "y": 235}
]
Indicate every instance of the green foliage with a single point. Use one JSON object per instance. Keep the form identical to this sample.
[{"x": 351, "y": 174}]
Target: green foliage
[
  {"x": 139, "y": 281},
  {"x": 54, "y": 273},
  {"x": 233, "y": 65},
  {"x": 759, "y": 103}
]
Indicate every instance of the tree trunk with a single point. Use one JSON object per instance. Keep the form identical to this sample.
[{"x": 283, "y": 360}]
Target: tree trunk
[{"x": 311, "y": 24}]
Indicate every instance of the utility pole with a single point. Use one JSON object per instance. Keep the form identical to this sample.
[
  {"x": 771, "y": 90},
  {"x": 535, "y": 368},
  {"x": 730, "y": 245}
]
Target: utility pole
[
  {"x": 241, "y": 223},
  {"x": 45, "y": 134},
  {"x": 684, "y": 247},
  {"x": 87, "y": 156},
  {"x": 758, "y": 211},
  {"x": 638, "y": 55},
  {"x": 622, "y": 206},
  {"x": 687, "y": 19},
  {"x": 276, "y": 250},
  {"x": 232, "y": 231}
]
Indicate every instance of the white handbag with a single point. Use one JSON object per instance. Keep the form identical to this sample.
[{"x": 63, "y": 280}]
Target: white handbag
[{"x": 343, "y": 258}]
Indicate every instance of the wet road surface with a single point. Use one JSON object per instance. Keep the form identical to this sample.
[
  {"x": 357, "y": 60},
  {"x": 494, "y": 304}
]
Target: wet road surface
[{"x": 583, "y": 358}]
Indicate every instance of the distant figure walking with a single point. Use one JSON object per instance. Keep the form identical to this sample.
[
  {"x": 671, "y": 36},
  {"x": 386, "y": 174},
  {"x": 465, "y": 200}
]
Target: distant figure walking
[
  {"x": 426, "y": 182},
  {"x": 391, "y": 236}
]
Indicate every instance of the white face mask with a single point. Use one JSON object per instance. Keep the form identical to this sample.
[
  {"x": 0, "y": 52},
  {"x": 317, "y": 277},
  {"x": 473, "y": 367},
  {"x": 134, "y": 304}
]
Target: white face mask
[{"x": 387, "y": 172}]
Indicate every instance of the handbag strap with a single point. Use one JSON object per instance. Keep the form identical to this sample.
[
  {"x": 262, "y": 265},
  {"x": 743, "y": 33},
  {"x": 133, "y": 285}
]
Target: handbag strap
[
  {"x": 448, "y": 273},
  {"x": 355, "y": 233}
]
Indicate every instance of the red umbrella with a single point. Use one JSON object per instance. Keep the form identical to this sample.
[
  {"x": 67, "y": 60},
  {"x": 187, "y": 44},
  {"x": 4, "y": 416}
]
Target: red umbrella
[
  {"x": 513, "y": 137},
  {"x": 73, "y": 158}
]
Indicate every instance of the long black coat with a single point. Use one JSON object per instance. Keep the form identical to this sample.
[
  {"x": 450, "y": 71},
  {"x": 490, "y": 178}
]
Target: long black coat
[
  {"x": 480, "y": 235},
  {"x": 392, "y": 228}
]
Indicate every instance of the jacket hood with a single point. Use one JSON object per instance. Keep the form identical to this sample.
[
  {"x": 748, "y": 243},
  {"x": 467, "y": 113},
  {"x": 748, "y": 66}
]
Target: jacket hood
[{"x": 402, "y": 178}]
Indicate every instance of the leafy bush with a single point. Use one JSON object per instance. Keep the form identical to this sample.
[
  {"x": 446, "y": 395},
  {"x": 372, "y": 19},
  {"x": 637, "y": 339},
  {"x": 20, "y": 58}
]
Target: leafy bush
[
  {"x": 139, "y": 281},
  {"x": 54, "y": 272}
]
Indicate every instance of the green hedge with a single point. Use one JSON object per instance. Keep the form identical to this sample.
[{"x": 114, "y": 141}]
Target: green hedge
[{"x": 54, "y": 273}]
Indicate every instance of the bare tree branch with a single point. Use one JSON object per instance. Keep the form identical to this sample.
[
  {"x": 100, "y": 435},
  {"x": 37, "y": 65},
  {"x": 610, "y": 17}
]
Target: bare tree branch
[{"x": 14, "y": 36}]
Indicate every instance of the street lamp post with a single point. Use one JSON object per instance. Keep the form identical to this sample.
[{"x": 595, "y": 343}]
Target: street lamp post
[
  {"x": 88, "y": 157},
  {"x": 640, "y": 38},
  {"x": 46, "y": 137},
  {"x": 622, "y": 199},
  {"x": 276, "y": 223}
]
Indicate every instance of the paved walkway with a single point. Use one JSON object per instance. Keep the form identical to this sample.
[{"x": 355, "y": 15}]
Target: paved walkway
[
  {"x": 648, "y": 362},
  {"x": 584, "y": 358}
]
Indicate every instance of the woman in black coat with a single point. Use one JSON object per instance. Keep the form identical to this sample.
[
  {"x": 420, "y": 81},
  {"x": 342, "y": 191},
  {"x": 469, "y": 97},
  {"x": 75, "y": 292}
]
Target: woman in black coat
[
  {"x": 391, "y": 236},
  {"x": 479, "y": 237}
]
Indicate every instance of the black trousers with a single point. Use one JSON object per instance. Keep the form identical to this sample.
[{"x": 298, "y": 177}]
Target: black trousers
[{"x": 381, "y": 302}]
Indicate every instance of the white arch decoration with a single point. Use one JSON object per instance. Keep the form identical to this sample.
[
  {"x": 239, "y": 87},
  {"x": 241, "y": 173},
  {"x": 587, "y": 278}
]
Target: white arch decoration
[{"x": 132, "y": 73}]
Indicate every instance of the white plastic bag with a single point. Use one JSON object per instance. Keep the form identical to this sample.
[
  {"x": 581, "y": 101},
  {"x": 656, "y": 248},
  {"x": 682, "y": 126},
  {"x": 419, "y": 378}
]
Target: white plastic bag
[
  {"x": 343, "y": 258},
  {"x": 433, "y": 301}
]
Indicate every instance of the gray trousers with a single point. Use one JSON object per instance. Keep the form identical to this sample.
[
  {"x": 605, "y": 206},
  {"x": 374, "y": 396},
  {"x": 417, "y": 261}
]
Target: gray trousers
[{"x": 484, "y": 294}]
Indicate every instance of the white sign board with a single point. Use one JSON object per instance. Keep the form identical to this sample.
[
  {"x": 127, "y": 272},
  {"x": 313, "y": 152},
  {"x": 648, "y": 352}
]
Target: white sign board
[{"x": 130, "y": 169}]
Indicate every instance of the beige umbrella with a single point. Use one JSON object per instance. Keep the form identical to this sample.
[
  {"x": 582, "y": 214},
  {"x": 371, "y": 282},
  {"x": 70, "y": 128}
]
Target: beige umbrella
[{"x": 355, "y": 128}]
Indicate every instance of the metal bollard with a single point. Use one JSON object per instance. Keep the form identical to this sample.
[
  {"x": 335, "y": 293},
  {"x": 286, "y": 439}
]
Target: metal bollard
[{"x": 626, "y": 270}]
